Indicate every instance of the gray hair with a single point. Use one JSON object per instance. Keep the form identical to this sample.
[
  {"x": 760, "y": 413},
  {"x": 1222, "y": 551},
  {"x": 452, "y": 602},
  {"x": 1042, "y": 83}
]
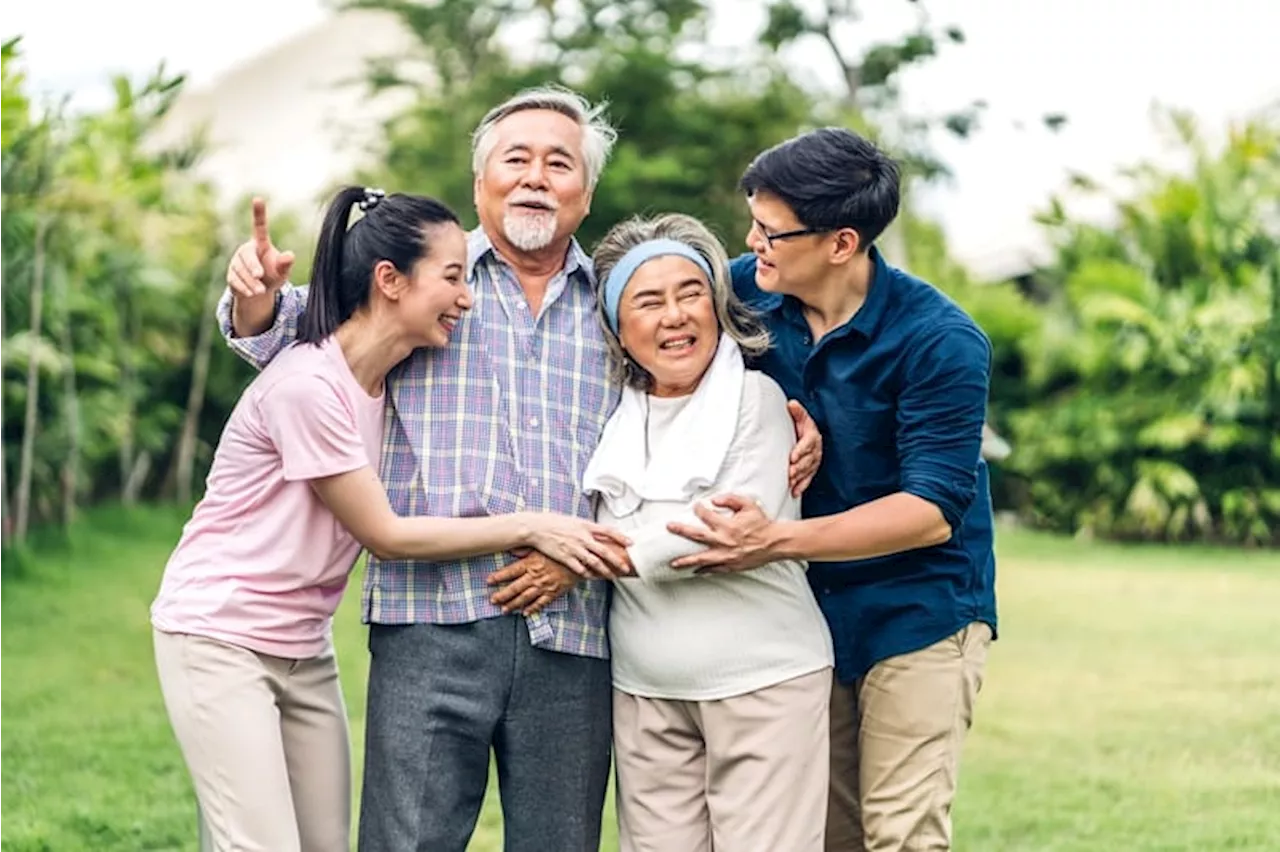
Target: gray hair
[
  {"x": 598, "y": 135},
  {"x": 737, "y": 320}
]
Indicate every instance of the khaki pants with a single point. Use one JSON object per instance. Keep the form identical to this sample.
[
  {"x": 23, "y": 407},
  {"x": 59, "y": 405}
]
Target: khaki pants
[
  {"x": 265, "y": 740},
  {"x": 742, "y": 774},
  {"x": 896, "y": 736}
]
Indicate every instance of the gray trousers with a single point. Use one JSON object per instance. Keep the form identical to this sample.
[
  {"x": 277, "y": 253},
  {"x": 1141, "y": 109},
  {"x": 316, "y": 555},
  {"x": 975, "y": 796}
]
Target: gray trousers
[{"x": 441, "y": 697}]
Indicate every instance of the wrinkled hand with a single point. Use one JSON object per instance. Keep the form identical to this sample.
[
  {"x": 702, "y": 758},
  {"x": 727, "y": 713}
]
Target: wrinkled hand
[
  {"x": 258, "y": 267},
  {"x": 530, "y": 583},
  {"x": 738, "y": 541},
  {"x": 806, "y": 455},
  {"x": 586, "y": 548}
]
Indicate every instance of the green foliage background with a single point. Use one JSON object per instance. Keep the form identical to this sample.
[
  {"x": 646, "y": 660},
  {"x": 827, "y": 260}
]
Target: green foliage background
[{"x": 1136, "y": 374}]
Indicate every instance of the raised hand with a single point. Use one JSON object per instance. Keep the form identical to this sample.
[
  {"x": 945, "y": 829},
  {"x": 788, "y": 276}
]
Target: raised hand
[{"x": 258, "y": 267}]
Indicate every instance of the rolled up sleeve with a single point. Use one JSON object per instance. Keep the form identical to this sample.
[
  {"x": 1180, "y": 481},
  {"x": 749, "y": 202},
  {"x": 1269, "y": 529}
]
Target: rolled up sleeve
[{"x": 941, "y": 410}]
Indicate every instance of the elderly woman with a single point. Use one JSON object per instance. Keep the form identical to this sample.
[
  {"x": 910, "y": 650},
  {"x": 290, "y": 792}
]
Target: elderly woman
[{"x": 721, "y": 682}]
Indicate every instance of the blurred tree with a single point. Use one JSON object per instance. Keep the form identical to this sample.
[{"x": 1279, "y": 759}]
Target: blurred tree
[
  {"x": 109, "y": 246},
  {"x": 687, "y": 130},
  {"x": 871, "y": 76},
  {"x": 1153, "y": 410},
  {"x": 1143, "y": 394},
  {"x": 29, "y": 153}
]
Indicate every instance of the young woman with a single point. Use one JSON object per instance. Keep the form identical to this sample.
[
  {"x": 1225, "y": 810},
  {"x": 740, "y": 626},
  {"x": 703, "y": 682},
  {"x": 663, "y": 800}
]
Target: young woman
[{"x": 243, "y": 617}]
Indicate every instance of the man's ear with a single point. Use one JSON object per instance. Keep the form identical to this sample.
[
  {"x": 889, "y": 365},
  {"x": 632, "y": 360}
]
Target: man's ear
[
  {"x": 847, "y": 244},
  {"x": 388, "y": 280}
]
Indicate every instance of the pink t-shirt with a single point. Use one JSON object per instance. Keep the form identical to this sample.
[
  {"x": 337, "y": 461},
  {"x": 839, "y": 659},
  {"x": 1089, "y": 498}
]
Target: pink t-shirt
[{"x": 263, "y": 563}]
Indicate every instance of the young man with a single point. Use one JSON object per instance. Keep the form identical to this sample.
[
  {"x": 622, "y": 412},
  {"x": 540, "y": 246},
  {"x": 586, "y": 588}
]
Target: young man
[{"x": 897, "y": 524}]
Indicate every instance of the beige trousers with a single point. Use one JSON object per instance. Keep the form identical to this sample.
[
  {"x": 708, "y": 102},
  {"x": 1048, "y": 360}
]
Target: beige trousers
[
  {"x": 265, "y": 740},
  {"x": 896, "y": 736},
  {"x": 742, "y": 774}
]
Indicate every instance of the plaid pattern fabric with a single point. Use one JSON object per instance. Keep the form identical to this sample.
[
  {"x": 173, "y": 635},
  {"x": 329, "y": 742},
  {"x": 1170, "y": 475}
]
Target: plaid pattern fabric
[{"x": 504, "y": 419}]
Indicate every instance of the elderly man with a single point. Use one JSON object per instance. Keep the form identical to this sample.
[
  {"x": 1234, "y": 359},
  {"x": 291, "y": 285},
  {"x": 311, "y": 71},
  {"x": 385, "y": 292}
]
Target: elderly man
[{"x": 504, "y": 419}]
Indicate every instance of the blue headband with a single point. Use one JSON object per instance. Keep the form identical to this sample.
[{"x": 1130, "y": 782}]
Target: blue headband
[{"x": 631, "y": 261}]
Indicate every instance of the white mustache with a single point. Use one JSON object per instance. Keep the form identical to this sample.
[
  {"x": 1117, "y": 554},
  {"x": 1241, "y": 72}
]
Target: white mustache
[{"x": 534, "y": 198}]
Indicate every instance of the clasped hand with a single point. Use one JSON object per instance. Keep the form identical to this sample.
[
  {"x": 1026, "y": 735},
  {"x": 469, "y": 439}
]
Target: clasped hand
[{"x": 567, "y": 550}]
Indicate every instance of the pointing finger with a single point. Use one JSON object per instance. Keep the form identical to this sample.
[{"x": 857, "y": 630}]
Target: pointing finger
[{"x": 261, "y": 238}]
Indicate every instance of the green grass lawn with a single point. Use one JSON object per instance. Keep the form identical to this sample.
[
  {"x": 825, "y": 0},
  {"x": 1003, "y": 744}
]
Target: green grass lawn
[{"x": 1132, "y": 703}]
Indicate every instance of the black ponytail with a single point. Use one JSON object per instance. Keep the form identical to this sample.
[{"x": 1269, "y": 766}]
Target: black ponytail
[{"x": 393, "y": 228}]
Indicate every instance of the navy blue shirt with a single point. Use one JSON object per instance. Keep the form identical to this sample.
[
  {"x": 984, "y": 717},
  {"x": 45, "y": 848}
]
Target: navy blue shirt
[{"x": 899, "y": 393}]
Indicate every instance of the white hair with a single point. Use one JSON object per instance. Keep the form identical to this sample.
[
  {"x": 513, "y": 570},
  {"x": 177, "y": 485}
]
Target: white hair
[
  {"x": 598, "y": 135},
  {"x": 529, "y": 232}
]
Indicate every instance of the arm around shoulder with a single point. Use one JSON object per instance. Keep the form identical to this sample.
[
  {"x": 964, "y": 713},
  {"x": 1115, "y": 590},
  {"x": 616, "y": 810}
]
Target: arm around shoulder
[{"x": 257, "y": 340}]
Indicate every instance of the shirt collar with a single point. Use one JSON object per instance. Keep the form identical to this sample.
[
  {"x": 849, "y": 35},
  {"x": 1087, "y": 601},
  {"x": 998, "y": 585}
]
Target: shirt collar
[
  {"x": 479, "y": 246},
  {"x": 868, "y": 318}
]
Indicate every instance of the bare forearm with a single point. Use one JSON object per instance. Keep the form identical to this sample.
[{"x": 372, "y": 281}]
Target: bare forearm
[
  {"x": 435, "y": 539},
  {"x": 891, "y": 524},
  {"x": 252, "y": 316}
]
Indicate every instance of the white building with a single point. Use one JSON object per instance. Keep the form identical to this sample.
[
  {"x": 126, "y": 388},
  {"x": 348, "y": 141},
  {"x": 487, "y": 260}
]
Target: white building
[{"x": 296, "y": 118}]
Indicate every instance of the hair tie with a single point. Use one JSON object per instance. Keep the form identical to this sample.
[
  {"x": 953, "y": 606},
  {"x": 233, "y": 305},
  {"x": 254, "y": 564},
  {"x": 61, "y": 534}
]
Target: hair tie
[
  {"x": 631, "y": 261},
  {"x": 372, "y": 195}
]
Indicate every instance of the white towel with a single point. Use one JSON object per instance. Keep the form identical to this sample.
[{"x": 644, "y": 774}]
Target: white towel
[{"x": 687, "y": 461}]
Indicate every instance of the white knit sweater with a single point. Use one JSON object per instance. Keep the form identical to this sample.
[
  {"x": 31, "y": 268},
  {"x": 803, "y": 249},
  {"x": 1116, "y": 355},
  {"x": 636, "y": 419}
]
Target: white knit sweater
[{"x": 680, "y": 635}]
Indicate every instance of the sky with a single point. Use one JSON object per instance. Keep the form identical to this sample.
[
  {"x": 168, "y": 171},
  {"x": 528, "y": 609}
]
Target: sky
[{"x": 1103, "y": 63}]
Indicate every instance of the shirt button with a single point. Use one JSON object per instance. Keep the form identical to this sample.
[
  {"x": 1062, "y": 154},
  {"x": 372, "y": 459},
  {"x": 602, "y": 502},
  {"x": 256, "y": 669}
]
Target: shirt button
[
  {"x": 807, "y": 340},
  {"x": 533, "y": 483},
  {"x": 533, "y": 423}
]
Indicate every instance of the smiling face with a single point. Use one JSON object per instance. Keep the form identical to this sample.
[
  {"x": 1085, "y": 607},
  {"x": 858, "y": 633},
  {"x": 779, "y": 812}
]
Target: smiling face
[
  {"x": 667, "y": 324},
  {"x": 532, "y": 192},
  {"x": 430, "y": 301},
  {"x": 795, "y": 263}
]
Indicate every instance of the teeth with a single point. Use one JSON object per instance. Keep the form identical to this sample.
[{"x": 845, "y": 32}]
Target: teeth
[{"x": 677, "y": 344}]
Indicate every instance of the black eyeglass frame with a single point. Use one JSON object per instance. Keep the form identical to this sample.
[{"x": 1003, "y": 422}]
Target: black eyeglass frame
[{"x": 787, "y": 235}]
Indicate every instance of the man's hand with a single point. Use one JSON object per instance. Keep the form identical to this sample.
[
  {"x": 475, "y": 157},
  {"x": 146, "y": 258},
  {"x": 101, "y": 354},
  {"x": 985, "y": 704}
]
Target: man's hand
[
  {"x": 738, "y": 541},
  {"x": 258, "y": 267},
  {"x": 806, "y": 455},
  {"x": 530, "y": 583}
]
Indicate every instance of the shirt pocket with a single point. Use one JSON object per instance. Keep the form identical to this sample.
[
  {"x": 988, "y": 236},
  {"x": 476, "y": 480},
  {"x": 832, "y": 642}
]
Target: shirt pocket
[
  {"x": 581, "y": 397},
  {"x": 862, "y": 444}
]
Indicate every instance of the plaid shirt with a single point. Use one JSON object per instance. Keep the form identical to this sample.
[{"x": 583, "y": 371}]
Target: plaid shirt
[{"x": 504, "y": 419}]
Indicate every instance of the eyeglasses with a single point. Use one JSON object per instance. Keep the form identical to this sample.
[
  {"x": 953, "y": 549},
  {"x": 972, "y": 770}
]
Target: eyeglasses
[{"x": 770, "y": 239}]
